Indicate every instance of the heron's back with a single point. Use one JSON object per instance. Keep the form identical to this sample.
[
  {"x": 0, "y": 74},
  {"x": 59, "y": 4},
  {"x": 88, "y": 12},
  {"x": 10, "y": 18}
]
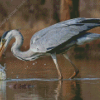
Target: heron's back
[{"x": 61, "y": 33}]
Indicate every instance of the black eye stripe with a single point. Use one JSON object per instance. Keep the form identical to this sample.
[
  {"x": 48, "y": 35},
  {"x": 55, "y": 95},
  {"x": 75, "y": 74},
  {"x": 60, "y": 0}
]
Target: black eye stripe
[{"x": 4, "y": 35}]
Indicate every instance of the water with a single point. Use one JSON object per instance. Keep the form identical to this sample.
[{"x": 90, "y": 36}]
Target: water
[
  {"x": 38, "y": 80},
  {"x": 51, "y": 90}
]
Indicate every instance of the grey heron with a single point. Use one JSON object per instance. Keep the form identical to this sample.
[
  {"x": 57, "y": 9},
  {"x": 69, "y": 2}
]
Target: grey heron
[{"x": 55, "y": 39}]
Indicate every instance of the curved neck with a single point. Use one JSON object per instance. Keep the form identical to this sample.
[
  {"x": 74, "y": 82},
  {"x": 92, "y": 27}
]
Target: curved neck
[{"x": 26, "y": 55}]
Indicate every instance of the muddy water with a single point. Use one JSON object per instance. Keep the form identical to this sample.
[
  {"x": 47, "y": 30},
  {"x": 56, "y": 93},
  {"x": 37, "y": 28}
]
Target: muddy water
[{"x": 37, "y": 80}]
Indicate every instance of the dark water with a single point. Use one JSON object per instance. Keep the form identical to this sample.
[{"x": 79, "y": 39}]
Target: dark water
[{"x": 37, "y": 80}]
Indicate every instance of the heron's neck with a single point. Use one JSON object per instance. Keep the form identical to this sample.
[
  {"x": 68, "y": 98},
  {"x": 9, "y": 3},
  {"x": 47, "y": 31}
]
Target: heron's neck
[{"x": 16, "y": 48}]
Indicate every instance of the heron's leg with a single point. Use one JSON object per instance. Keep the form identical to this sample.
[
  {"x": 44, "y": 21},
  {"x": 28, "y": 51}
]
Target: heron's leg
[
  {"x": 76, "y": 69},
  {"x": 57, "y": 67}
]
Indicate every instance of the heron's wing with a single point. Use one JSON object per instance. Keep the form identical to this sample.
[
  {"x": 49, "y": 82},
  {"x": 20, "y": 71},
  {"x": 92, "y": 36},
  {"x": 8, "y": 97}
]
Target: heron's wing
[
  {"x": 55, "y": 36},
  {"x": 44, "y": 31}
]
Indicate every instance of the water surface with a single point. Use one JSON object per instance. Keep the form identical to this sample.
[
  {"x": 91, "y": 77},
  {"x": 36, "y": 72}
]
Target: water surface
[{"x": 38, "y": 80}]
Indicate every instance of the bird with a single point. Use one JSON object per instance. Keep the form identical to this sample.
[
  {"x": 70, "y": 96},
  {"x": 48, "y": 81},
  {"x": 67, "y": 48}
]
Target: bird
[
  {"x": 53, "y": 40},
  {"x": 2, "y": 72}
]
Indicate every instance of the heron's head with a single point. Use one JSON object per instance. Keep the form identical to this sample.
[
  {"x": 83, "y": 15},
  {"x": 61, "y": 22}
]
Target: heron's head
[{"x": 4, "y": 42}]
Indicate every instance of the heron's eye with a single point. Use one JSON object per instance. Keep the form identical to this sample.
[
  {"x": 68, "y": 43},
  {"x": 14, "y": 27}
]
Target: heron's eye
[{"x": 3, "y": 40}]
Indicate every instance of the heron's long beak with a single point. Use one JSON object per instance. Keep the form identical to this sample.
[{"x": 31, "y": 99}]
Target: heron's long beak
[{"x": 2, "y": 48}]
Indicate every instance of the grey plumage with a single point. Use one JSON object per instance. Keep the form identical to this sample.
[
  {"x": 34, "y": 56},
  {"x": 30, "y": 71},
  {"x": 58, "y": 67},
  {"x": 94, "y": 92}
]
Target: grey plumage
[
  {"x": 55, "y": 35},
  {"x": 57, "y": 38}
]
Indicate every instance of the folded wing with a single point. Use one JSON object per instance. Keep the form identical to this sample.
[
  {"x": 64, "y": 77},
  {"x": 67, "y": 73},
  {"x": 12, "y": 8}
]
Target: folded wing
[{"x": 57, "y": 34}]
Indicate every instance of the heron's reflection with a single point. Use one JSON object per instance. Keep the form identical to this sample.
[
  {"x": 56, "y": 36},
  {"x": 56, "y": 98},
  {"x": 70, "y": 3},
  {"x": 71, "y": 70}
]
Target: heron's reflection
[
  {"x": 58, "y": 90},
  {"x": 68, "y": 89},
  {"x": 2, "y": 90}
]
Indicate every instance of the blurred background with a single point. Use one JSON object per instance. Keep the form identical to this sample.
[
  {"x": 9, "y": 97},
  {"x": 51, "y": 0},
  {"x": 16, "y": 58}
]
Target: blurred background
[
  {"x": 27, "y": 14},
  {"x": 31, "y": 16}
]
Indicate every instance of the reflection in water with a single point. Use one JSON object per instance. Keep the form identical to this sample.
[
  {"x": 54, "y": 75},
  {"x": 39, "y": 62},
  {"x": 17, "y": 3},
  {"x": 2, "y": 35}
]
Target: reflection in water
[
  {"x": 45, "y": 90},
  {"x": 58, "y": 90},
  {"x": 38, "y": 90},
  {"x": 77, "y": 90},
  {"x": 2, "y": 90},
  {"x": 34, "y": 80},
  {"x": 50, "y": 90},
  {"x": 20, "y": 86}
]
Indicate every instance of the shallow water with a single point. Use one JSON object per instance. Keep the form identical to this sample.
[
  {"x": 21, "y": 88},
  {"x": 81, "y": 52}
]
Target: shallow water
[{"x": 37, "y": 80}]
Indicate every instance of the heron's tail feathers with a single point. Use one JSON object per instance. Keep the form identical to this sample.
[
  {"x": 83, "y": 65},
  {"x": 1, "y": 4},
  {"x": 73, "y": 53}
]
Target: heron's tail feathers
[
  {"x": 88, "y": 37},
  {"x": 91, "y": 20}
]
